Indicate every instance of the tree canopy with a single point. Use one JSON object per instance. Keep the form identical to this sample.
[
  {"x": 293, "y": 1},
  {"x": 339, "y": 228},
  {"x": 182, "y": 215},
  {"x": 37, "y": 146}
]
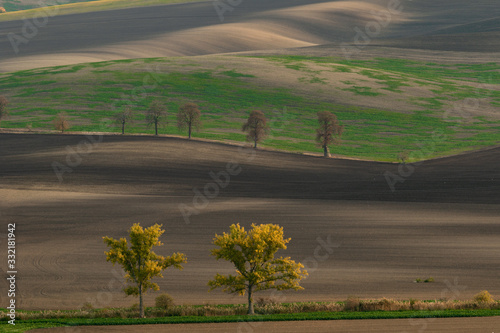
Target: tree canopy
[
  {"x": 61, "y": 122},
  {"x": 156, "y": 114},
  {"x": 189, "y": 117},
  {"x": 253, "y": 255},
  {"x": 123, "y": 117},
  {"x": 256, "y": 127},
  {"x": 139, "y": 261},
  {"x": 329, "y": 131}
]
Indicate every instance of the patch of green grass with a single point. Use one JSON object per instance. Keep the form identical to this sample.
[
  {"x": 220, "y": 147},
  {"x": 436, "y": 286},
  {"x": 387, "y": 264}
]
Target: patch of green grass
[
  {"x": 27, "y": 326},
  {"x": 483, "y": 73},
  {"x": 430, "y": 102},
  {"x": 392, "y": 83},
  {"x": 349, "y": 315},
  {"x": 364, "y": 91},
  {"x": 297, "y": 67},
  {"x": 343, "y": 69},
  {"x": 227, "y": 97},
  {"x": 313, "y": 79},
  {"x": 233, "y": 73}
]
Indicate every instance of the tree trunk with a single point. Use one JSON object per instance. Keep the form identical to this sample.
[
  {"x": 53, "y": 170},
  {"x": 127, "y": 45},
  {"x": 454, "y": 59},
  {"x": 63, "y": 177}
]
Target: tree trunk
[
  {"x": 326, "y": 151},
  {"x": 156, "y": 127},
  {"x": 255, "y": 143},
  {"x": 250, "y": 301},
  {"x": 189, "y": 131},
  {"x": 123, "y": 128},
  {"x": 141, "y": 306}
]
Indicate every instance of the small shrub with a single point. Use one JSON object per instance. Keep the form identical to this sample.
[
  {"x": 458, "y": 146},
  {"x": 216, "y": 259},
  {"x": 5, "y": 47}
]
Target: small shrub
[
  {"x": 483, "y": 297},
  {"x": 352, "y": 304},
  {"x": 61, "y": 122},
  {"x": 164, "y": 301},
  {"x": 429, "y": 280},
  {"x": 87, "y": 306},
  {"x": 385, "y": 304},
  {"x": 263, "y": 301},
  {"x": 418, "y": 280},
  {"x": 403, "y": 157}
]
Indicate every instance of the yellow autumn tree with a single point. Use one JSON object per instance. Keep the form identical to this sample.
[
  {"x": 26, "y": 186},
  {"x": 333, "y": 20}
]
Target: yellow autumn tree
[
  {"x": 140, "y": 263},
  {"x": 252, "y": 254}
]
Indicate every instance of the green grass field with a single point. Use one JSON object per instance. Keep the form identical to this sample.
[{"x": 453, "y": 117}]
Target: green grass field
[
  {"x": 23, "y": 326},
  {"x": 92, "y": 93}
]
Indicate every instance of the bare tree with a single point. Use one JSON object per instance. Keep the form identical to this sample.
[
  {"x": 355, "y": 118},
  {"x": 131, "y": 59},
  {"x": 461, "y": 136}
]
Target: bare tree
[
  {"x": 155, "y": 114},
  {"x": 61, "y": 122},
  {"x": 329, "y": 131},
  {"x": 124, "y": 117},
  {"x": 189, "y": 116},
  {"x": 403, "y": 157},
  {"x": 256, "y": 127},
  {"x": 3, "y": 107}
]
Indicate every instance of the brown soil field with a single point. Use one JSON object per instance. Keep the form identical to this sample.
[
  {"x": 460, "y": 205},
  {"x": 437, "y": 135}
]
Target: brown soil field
[
  {"x": 441, "y": 222},
  {"x": 446, "y": 325},
  {"x": 197, "y": 29}
]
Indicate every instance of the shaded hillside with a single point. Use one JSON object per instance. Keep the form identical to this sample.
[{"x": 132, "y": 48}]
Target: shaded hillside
[
  {"x": 197, "y": 28},
  {"x": 168, "y": 166},
  {"x": 442, "y": 221}
]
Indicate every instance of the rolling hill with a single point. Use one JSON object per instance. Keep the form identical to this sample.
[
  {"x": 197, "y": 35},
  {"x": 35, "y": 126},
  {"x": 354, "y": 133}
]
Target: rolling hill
[
  {"x": 198, "y": 28},
  {"x": 422, "y": 79}
]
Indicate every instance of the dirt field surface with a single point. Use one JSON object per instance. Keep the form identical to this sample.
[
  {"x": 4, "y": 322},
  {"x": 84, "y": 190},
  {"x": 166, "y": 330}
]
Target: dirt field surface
[
  {"x": 441, "y": 222},
  {"x": 198, "y": 29},
  {"x": 442, "y": 325}
]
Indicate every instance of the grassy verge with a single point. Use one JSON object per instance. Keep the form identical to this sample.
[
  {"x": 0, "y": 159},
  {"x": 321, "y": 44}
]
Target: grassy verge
[
  {"x": 22, "y": 326},
  {"x": 266, "y": 309},
  {"x": 83, "y": 7},
  {"x": 92, "y": 93}
]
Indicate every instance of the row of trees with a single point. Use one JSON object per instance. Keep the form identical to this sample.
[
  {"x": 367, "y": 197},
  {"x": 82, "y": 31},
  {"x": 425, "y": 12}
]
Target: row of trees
[
  {"x": 328, "y": 132},
  {"x": 188, "y": 117},
  {"x": 252, "y": 253}
]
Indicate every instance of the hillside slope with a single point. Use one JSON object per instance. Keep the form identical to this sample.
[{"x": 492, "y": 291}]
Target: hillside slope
[
  {"x": 197, "y": 28},
  {"x": 387, "y": 105},
  {"x": 441, "y": 222}
]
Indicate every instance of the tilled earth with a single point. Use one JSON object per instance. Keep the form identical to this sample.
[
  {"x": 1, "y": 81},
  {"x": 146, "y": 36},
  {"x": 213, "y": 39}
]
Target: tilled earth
[{"x": 354, "y": 234}]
